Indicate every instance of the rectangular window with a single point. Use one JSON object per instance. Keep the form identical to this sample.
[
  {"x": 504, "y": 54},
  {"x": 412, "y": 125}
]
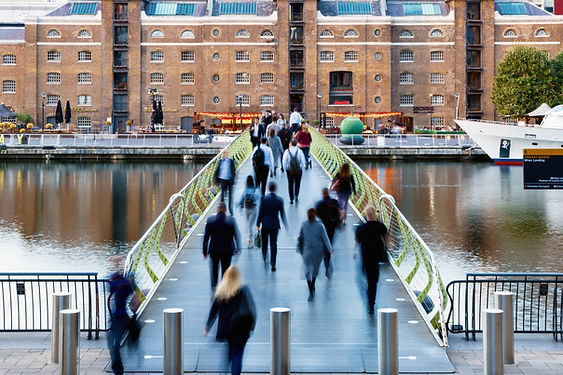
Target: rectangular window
[
  {"x": 329, "y": 122},
  {"x": 157, "y": 78},
  {"x": 474, "y": 58},
  {"x": 327, "y": 56},
  {"x": 473, "y": 102},
  {"x": 120, "y": 12},
  {"x": 406, "y": 56},
  {"x": 242, "y": 99},
  {"x": 242, "y": 78},
  {"x": 267, "y": 56},
  {"x": 296, "y": 35},
  {"x": 437, "y": 56},
  {"x": 53, "y": 56},
  {"x": 341, "y": 90},
  {"x": 296, "y": 58},
  {"x": 437, "y": 100},
  {"x": 296, "y": 81},
  {"x": 120, "y": 35},
  {"x": 84, "y": 56},
  {"x": 84, "y": 122},
  {"x": 406, "y": 78},
  {"x": 120, "y": 58},
  {"x": 474, "y": 11},
  {"x": 187, "y": 100},
  {"x": 267, "y": 78},
  {"x": 296, "y": 12},
  {"x": 187, "y": 78},
  {"x": 53, "y": 78},
  {"x": 436, "y": 121},
  {"x": 187, "y": 56},
  {"x": 157, "y": 56},
  {"x": 406, "y": 100},
  {"x": 8, "y": 87},
  {"x": 436, "y": 78},
  {"x": 52, "y": 100},
  {"x": 474, "y": 80},
  {"x": 120, "y": 103},
  {"x": 473, "y": 35},
  {"x": 266, "y": 100},
  {"x": 9, "y": 60},
  {"x": 351, "y": 56},
  {"x": 84, "y": 100},
  {"x": 84, "y": 78},
  {"x": 120, "y": 81},
  {"x": 242, "y": 56}
]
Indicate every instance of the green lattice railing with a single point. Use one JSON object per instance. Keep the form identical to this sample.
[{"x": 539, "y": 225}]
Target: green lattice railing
[
  {"x": 411, "y": 258},
  {"x": 148, "y": 261}
]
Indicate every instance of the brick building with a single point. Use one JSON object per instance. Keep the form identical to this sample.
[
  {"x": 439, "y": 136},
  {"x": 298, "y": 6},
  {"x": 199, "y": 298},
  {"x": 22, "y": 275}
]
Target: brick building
[{"x": 429, "y": 59}]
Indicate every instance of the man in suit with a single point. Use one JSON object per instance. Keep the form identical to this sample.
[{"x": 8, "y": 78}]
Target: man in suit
[
  {"x": 220, "y": 241},
  {"x": 263, "y": 164},
  {"x": 225, "y": 177},
  {"x": 269, "y": 213},
  {"x": 257, "y": 132}
]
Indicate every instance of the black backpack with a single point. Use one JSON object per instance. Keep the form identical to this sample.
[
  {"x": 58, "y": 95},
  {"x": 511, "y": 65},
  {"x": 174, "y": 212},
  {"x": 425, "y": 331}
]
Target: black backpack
[
  {"x": 258, "y": 158},
  {"x": 249, "y": 200},
  {"x": 294, "y": 166}
]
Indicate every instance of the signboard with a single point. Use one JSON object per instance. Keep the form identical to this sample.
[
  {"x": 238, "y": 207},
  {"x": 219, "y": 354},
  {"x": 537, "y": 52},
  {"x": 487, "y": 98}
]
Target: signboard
[
  {"x": 423, "y": 109},
  {"x": 543, "y": 168}
]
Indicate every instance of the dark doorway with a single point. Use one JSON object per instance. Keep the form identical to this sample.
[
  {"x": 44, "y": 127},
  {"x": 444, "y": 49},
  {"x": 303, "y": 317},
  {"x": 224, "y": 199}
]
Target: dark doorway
[
  {"x": 119, "y": 124},
  {"x": 296, "y": 101},
  {"x": 187, "y": 124},
  {"x": 408, "y": 123}
]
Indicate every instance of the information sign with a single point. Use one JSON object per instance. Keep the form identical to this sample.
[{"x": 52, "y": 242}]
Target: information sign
[{"x": 543, "y": 168}]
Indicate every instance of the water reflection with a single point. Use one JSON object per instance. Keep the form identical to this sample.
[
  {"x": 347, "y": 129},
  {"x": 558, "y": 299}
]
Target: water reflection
[{"x": 72, "y": 216}]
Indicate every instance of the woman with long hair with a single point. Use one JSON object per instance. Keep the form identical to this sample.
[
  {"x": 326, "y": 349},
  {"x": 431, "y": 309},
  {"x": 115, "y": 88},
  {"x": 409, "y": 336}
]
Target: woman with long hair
[
  {"x": 233, "y": 303},
  {"x": 313, "y": 243},
  {"x": 249, "y": 203},
  {"x": 304, "y": 140},
  {"x": 344, "y": 185}
]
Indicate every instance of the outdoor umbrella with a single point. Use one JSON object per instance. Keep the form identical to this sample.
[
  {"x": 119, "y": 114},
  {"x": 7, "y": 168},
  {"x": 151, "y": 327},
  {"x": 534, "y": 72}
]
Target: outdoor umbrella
[
  {"x": 160, "y": 114},
  {"x": 154, "y": 116},
  {"x": 59, "y": 113},
  {"x": 5, "y": 111},
  {"x": 68, "y": 115}
]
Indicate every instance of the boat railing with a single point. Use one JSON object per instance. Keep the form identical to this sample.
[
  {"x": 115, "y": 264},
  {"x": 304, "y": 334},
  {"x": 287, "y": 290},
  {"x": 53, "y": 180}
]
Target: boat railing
[
  {"x": 151, "y": 257},
  {"x": 412, "y": 260},
  {"x": 503, "y": 123}
]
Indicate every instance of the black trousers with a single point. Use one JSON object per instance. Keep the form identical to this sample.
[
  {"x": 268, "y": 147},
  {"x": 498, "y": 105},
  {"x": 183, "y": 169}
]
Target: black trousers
[
  {"x": 228, "y": 187},
  {"x": 273, "y": 235},
  {"x": 293, "y": 184},
  {"x": 116, "y": 332},
  {"x": 372, "y": 275},
  {"x": 225, "y": 259},
  {"x": 330, "y": 233},
  {"x": 262, "y": 178}
]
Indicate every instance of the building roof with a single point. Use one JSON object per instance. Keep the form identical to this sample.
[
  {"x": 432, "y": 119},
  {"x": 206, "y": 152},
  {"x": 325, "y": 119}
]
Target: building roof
[
  {"x": 414, "y": 8},
  {"x": 196, "y": 8},
  {"x": 13, "y": 34},
  {"x": 519, "y": 8},
  {"x": 261, "y": 8},
  {"x": 18, "y": 11},
  {"x": 393, "y": 8},
  {"x": 77, "y": 8}
]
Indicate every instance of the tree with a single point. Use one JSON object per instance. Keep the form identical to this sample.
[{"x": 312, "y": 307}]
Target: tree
[
  {"x": 523, "y": 82},
  {"x": 24, "y": 118},
  {"x": 557, "y": 73}
]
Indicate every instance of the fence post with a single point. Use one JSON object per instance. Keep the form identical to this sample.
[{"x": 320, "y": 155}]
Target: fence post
[
  {"x": 69, "y": 341},
  {"x": 173, "y": 341},
  {"x": 387, "y": 342},
  {"x": 504, "y": 302},
  {"x": 61, "y": 301},
  {"x": 280, "y": 324},
  {"x": 492, "y": 342}
]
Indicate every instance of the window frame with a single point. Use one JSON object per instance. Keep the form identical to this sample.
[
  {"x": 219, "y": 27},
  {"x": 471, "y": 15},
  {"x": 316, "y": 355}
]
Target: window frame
[
  {"x": 266, "y": 74},
  {"x": 245, "y": 100},
  {"x": 87, "y": 102},
  {"x": 187, "y": 56},
  {"x": 156, "y": 33},
  {"x": 406, "y": 53},
  {"x": 266, "y": 33},
  {"x": 49, "y": 102},
  {"x": 154, "y": 54},
  {"x": 9, "y": 56},
  {"x": 265, "y": 54},
  {"x": 56, "y": 54},
  {"x": 9, "y": 86},
  {"x": 351, "y": 33},
  {"x": 242, "y": 34},
  {"x": 245, "y": 81},
  {"x": 56, "y": 34},
  {"x": 406, "y": 103},
  {"x": 187, "y": 34},
  {"x": 437, "y": 100},
  {"x": 87, "y": 74},
  {"x": 440, "y": 54},
  {"x": 349, "y": 56},
  {"x": 436, "y": 33},
  {"x": 437, "y": 121},
  {"x": 189, "y": 78},
  {"x": 323, "y": 56},
  {"x": 266, "y": 100},
  {"x": 435, "y": 81},
  {"x": 510, "y": 30},
  {"x": 406, "y": 34},
  {"x": 187, "y": 100},
  {"x": 156, "y": 78},
  {"x": 81, "y": 119},
  {"x": 86, "y": 56},
  {"x": 326, "y": 33},
  {"x": 244, "y": 54},
  {"x": 88, "y": 34},
  {"x": 407, "y": 81},
  {"x": 539, "y": 31},
  {"x": 51, "y": 75}
]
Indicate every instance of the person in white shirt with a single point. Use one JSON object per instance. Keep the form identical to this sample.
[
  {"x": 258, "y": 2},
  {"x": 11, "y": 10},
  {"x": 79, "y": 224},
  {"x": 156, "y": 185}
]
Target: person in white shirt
[
  {"x": 293, "y": 162},
  {"x": 295, "y": 120},
  {"x": 263, "y": 163}
]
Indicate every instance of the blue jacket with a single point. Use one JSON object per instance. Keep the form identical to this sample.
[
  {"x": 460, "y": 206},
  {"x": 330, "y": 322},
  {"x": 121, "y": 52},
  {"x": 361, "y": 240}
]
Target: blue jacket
[
  {"x": 255, "y": 193},
  {"x": 270, "y": 207},
  {"x": 221, "y": 235}
]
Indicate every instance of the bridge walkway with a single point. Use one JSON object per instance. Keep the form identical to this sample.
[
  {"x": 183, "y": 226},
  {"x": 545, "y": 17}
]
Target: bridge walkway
[{"x": 332, "y": 334}]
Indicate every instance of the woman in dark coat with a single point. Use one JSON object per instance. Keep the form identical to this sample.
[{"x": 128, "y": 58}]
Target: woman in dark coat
[
  {"x": 346, "y": 186},
  {"x": 313, "y": 243},
  {"x": 237, "y": 315}
]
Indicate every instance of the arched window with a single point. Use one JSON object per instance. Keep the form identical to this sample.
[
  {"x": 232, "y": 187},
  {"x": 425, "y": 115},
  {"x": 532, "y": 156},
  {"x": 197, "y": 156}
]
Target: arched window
[
  {"x": 187, "y": 34},
  {"x": 53, "y": 34},
  {"x": 406, "y": 55},
  {"x": 157, "y": 34},
  {"x": 84, "y": 34},
  {"x": 406, "y": 34},
  {"x": 350, "y": 33},
  {"x": 542, "y": 33},
  {"x": 266, "y": 34},
  {"x": 326, "y": 33},
  {"x": 510, "y": 33},
  {"x": 436, "y": 33},
  {"x": 242, "y": 33}
]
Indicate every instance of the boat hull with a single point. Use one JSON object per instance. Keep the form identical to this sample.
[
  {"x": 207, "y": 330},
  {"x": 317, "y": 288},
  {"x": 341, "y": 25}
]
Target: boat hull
[{"x": 504, "y": 143}]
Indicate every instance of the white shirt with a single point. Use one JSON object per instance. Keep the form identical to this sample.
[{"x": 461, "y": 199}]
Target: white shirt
[
  {"x": 296, "y": 153},
  {"x": 268, "y": 156},
  {"x": 295, "y": 118}
]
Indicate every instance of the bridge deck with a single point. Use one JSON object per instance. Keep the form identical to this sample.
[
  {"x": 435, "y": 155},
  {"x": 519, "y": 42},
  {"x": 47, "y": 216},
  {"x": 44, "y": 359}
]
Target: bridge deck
[{"x": 332, "y": 334}]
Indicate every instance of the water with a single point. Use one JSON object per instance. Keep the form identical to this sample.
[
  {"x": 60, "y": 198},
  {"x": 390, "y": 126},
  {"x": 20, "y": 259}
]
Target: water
[{"x": 475, "y": 216}]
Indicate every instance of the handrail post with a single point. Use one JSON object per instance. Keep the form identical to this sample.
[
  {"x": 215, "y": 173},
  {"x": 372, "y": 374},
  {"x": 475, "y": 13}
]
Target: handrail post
[
  {"x": 503, "y": 301},
  {"x": 387, "y": 342},
  {"x": 61, "y": 301},
  {"x": 492, "y": 342},
  {"x": 280, "y": 357},
  {"x": 69, "y": 341},
  {"x": 173, "y": 341}
]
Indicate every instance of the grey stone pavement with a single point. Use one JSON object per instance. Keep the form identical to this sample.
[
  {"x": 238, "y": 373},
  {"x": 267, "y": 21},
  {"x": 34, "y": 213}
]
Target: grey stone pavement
[{"x": 29, "y": 353}]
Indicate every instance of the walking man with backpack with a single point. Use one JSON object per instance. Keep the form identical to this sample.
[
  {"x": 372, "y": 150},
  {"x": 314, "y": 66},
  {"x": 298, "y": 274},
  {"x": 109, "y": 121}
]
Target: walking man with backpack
[
  {"x": 263, "y": 164},
  {"x": 294, "y": 163},
  {"x": 328, "y": 210}
]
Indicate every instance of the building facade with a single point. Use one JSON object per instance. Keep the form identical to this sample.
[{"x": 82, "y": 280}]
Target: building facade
[{"x": 429, "y": 59}]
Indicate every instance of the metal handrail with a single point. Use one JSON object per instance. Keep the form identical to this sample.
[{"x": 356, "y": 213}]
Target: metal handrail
[
  {"x": 414, "y": 249},
  {"x": 152, "y": 256}
]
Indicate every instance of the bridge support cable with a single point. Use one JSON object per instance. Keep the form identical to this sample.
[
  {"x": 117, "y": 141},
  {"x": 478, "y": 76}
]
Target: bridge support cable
[
  {"x": 151, "y": 257},
  {"x": 410, "y": 257}
]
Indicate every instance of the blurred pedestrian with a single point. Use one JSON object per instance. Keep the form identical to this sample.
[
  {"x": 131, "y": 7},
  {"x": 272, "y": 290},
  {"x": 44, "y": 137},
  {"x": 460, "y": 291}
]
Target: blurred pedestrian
[
  {"x": 269, "y": 214},
  {"x": 249, "y": 202},
  {"x": 235, "y": 306},
  {"x": 273, "y": 126},
  {"x": 220, "y": 241},
  {"x": 263, "y": 164},
  {"x": 256, "y": 130},
  {"x": 304, "y": 142},
  {"x": 372, "y": 237},
  {"x": 225, "y": 177},
  {"x": 295, "y": 120},
  {"x": 285, "y": 136},
  {"x": 328, "y": 211},
  {"x": 293, "y": 162},
  {"x": 344, "y": 185},
  {"x": 275, "y": 145},
  {"x": 312, "y": 244}
]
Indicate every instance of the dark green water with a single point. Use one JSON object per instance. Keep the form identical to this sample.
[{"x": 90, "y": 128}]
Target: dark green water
[{"x": 475, "y": 216}]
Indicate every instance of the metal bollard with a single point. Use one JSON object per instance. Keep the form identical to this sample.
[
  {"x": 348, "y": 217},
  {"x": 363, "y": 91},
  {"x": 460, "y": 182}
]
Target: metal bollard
[
  {"x": 503, "y": 301},
  {"x": 61, "y": 301},
  {"x": 173, "y": 341},
  {"x": 492, "y": 342},
  {"x": 280, "y": 324},
  {"x": 387, "y": 342},
  {"x": 69, "y": 341}
]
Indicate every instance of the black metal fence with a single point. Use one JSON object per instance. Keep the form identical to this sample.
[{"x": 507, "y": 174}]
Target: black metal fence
[
  {"x": 27, "y": 300},
  {"x": 537, "y": 306}
]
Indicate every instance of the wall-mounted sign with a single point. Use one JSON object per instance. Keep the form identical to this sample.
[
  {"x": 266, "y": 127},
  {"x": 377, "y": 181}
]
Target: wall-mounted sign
[{"x": 543, "y": 168}]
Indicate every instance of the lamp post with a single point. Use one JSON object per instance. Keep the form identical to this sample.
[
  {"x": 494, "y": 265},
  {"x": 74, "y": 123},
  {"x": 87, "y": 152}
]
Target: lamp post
[
  {"x": 240, "y": 96},
  {"x": 152, "y": 93},
  {"x": 319, "y": 113},
  {"x": 456, "y": 105},
  {"x": 43, "y": 96}
]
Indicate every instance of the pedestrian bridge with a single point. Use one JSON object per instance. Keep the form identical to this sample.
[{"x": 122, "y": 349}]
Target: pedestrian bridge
[{"x": 334, "y": 333}]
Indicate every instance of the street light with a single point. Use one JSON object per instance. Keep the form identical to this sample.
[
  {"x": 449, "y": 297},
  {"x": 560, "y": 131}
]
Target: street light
[
  {"x": 240, "y": 97},
  {"x": 456, "y": 105},
  {"x": 319, "y": 113},
  {"x": 43, "y": 96}
]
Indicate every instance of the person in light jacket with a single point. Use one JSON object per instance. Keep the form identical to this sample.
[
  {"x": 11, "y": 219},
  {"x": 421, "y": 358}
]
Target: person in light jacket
[
  {"x": 312, "y": 244},
  {"x": 249, "y": 202},
  {"x": 277, "y": 149}
]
